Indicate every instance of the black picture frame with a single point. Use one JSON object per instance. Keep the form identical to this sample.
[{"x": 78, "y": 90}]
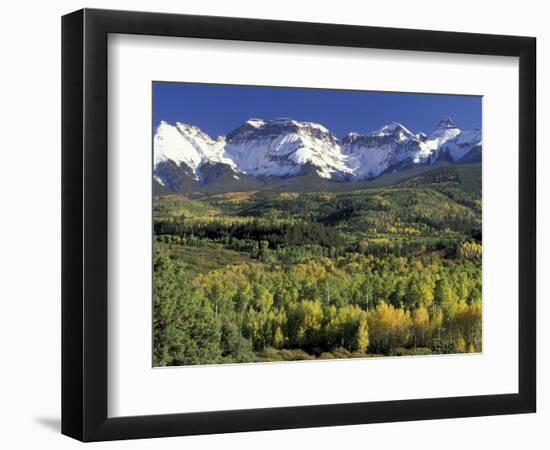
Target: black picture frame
[{"x": 84, "y": 224}]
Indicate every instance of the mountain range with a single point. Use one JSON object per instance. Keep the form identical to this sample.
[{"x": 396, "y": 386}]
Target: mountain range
[{"x": 186, "y": 158}]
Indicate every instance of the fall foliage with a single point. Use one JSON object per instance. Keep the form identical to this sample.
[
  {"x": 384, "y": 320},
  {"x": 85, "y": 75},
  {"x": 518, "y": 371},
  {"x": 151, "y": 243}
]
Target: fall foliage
[{"x": 267, "y": 276}]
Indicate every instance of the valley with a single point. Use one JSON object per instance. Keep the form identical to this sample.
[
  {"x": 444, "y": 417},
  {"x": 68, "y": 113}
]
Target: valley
[{"x": 305, "y": 267}]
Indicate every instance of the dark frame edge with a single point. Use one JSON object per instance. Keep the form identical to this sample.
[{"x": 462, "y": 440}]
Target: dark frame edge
[
  {"x": 269, "y": 419},
  {"x": 72, "y": 252},
  {"x": 527, "y": 211}
]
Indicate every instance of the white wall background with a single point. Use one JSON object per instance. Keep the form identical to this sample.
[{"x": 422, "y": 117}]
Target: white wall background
[{"x": 30, "y": 225}]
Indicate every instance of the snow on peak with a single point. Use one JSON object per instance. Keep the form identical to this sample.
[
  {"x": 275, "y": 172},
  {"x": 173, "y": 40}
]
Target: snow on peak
[
  {"x": 187, "y": 144},
  {"x": 193, "y": 132},
  {"x": 281, "y": 146},
  {"x": 458, "y": 147},
  {"x": 421, "y": 136},
  {"x": 170, "y": 144},
  {"x": 256, "y": 123},
  {"x": 393, "y": 129},
  {"x": 446, "y": 123},
  {"x": 283, "y": 121},
  {"x": 284, "y": 147},
  {"x": 287, "y": 122},
  {"x": 351, "y": 137},
  {"x": 315, "y": 126},
  {"x": 445, "y": 131}
]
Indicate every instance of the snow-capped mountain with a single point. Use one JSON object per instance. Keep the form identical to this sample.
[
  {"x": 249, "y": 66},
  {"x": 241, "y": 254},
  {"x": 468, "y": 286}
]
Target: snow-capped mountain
[
  {"x": 281, "y": 147},
  {"x": 465, "y": 146},
  {"x": 284, "y": 148},
  {"x": 445, "y": 131},
  {"x": 392, "y": 145},
  {"x": 188, "y": 144}
]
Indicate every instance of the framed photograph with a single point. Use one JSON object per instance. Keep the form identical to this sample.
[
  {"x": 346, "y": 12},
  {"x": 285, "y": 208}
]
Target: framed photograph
[{"x": 273, "y": 225}]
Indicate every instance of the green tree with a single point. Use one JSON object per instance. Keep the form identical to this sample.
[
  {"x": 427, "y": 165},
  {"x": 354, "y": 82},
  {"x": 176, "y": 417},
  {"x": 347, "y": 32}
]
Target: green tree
[
  {"x": 234, "y": 347},
  {"x": 305, "y": 322},
  {"x": 348, "y": 328},
  {"x": 185, "y": 329}
]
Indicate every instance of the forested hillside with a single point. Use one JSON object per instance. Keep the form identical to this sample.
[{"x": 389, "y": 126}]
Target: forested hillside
[{"x": 277, "y": 275}]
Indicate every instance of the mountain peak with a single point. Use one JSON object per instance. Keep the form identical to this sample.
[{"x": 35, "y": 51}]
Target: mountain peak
[
  {"x": 259, "y": 128},
  {"x": 395, "y": 129},
  {"x": 282, "y": 120},
  {"x": 282, "y": 147},
  {"x": 288, "y": 122},
  {"x": 391, "y": 127},
  {"x": 255, "y": 122},
  {"x": 446, "y": 123},
  {"x": 351, "y": 136}
]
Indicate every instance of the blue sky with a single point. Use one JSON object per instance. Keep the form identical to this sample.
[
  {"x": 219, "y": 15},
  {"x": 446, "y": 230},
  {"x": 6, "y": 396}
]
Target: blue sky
[{"x": 218, "y": 109}]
